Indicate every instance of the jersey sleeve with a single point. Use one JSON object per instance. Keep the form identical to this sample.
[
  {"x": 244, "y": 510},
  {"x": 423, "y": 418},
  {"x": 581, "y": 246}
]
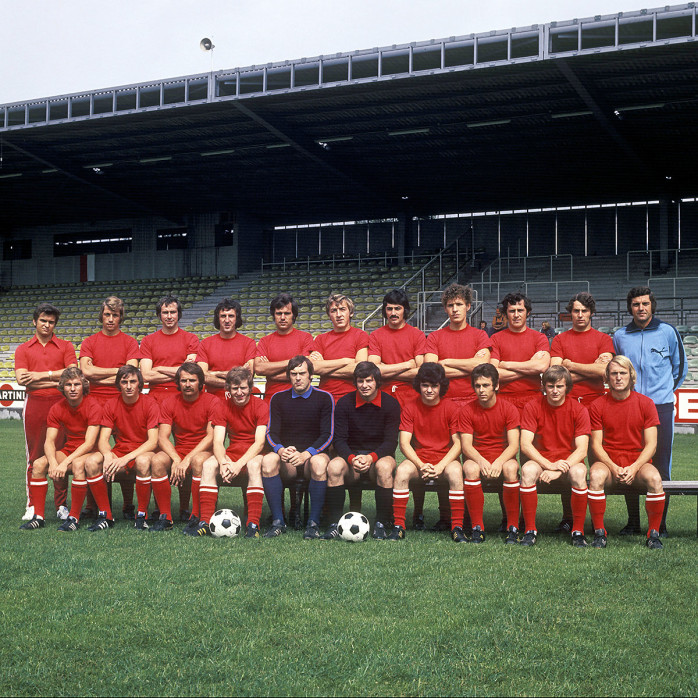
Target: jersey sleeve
[
  {"x": 167, "y": 411},
  {"x": 261, "y": 412},
  {"x": 250, "y": 350},
  {"x": 262, "y": 348},
  {"x": 582, "y": 422},
  {"x": 274, "y": 423},
  {"x": 556, "y": 347},
  {"x": 202, "y": 353},
  {"x": 152, "y": 413},
  {"x": 21, "y": 357},
  {"x": 495, "y": 351},
  {"x": 596, "y": 415},
  {"x": 87, "y": 348},
  {"x": 69, "y": 354},
  {"x": 542, "y": 342},
  {"x": 192, "y": 343},
  {"x": 307, "y": 345},
  {"x": 529, "y": 418},
  {"x": 146, "y": 348},
  {"x": 432, "y": 344},
  {"x": 453, "y": 420},
  {"x": 420, "y": 342},
  {"x": 108, "y": 414},
  {"x": 53, "y": 420},
  {"x": 407, "y": 418},
  {"x": 374, "y": 344},
  {"x": 512, "y": 417},
  {"x": 94, "y": 413},
  {"x": 649, "y": 414}
]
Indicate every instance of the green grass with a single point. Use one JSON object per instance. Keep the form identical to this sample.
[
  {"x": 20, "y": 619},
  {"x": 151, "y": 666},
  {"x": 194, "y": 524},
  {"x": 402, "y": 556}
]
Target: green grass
[{"x": 122, "y": 613}]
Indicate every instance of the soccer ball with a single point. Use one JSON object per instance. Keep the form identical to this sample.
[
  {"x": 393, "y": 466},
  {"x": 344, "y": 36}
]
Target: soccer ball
[
  {"x": 353, "y": 527},
  {"x": 225, "y": 523}
]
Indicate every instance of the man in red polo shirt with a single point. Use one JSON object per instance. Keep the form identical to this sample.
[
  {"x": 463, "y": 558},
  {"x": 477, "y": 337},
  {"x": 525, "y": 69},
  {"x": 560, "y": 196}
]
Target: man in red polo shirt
[
  {"x": 489, "y": 435},
  {"x": 161, "y": 354},
  {"x": 38, "y": 366},
  {"x": 275, "y": 349},
  {"x": 398, "y": 350},
  {"x": 78, "y": 417},
  {"x": 220, "y": 352},
  {"x": 336, "y": 353},
  {"x": 188, "y": 416},
  {"x": 458, "y": 347},
  {"x": 623, "y": 441},
  {"x": 132, "y": 418},
  {"x": 554, "y": 442},
  {"x": 584, "y": 352},
  {"x": 430, "y": 442},
  {"x": 520, "y": 354},
  {"x": 243, "y": 419},
  {"x": 101, "y": 356}
]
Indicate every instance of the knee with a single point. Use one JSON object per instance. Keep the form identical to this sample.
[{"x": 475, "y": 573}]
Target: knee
[
  {"x": 93, "y": 466},
  {"x": 318, "y": 468},
  {"x": 510, "y": 470},
  {"x": 40, "y": 467},
  {"x": 270, "y": 465},
  {"x": 578, "y": 475},
  {"x": 335, "y": 471},
  {"x": 597, "y": 478},
  {"x": 529, "y": 474},
  {"x": 471, "y": 470},
  {"x": 143, "y": 465}
]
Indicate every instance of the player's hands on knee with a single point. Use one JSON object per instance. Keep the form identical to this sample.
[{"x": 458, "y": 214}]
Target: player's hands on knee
[
  {"x": 550, "y": 475},
  {"x": 179, "y": 471}
]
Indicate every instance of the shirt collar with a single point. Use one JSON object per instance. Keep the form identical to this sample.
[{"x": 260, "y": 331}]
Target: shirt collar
[
  {"x": 35, "y": 340},
  {"x": 652, "y": 325},
  {"x": 304, "y": 395},
  {"x": 360, "y": 402}
]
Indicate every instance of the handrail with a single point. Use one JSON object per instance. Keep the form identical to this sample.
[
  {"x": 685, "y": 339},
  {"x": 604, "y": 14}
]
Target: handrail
[
  {"x": 526, "y": 259},
  {"x": 475, "y": 309},
  {"x": 651, "y": 253},
  {"x": 341, "y": 259},
  {"x": 420, "y": 273},
  {"x": 523, "y": 286}
]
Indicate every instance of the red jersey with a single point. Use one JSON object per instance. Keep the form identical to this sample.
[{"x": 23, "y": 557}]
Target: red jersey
[
  {"x": 555, "y": 428},
  {"x": 282, "y": 347},
  {"x": 168, "y": 350},
  {"x": 394, "y": 347},
  {"x": 519, "y": 346},
  {"x": 489, "y": 427},
  {"x": 458, "y": 344},
  {"x": 222, "y": 354},
  {"x": 241, "y": 423},
  {"x": 431, "y": 427},
  {"x": 130, "y": 423},
  {"x": 108, "y": 352},
  {"x": 74, "y": 420},
  {"x": 623, "y": 422},
  {"x": 339, "y": 345},
  {"x": 34, "y": 356},
  {"x": 583, "y": 348},
  {"x": 189, "y": 420}
]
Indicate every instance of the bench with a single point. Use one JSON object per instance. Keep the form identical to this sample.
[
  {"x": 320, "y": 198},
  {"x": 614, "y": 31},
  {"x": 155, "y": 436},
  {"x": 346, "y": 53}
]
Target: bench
[{"x": 494, "y": 486}]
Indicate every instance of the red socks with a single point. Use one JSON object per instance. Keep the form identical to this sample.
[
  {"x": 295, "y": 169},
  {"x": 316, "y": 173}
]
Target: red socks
[
  {"x": 143, "y": 494},
  {"x": 578, "y": 502},
  {"x": 456, "y": 500},
  {"x": 510, "y": 495},
  {"x": 195, "y": 486},
  {"x": 654, "y": 506},
  {"x": 163, "y": 495},
  {"x": 208, "y": 496},
  {"x": 37, "y": 494},
  {"x": 99, "y": 490},
  {"x": 597, "y": 508},
  {"x": 529, "y": 505},
  {"x": 475, "y": 499},
  {"x": 255, "y": 499},
  {"x": 400, "y": 498},
  {"x": 78, "y": 491}
]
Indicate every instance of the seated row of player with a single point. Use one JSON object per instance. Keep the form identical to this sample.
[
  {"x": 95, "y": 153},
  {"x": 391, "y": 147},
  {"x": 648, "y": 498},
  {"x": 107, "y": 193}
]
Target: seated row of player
[
  {"x": 520, "y": 353},
  {"x": 301, "y": 423}
]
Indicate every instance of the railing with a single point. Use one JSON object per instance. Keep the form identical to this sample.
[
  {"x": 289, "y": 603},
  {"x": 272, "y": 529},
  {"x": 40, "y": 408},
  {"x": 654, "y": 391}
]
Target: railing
[
  {"x": 657, "y": 283},
  {"x": 385, "y": 259},
  {"x": 654, "y": 259},
  {"x": 453, "y": 249},
  {"x": 500, "y": 263},
  {"x": 531, "y": 289}
]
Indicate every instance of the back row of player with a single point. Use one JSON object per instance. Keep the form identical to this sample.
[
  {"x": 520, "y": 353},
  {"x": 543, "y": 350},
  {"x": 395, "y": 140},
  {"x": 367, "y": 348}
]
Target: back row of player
[{"x": 520, "y": 354}]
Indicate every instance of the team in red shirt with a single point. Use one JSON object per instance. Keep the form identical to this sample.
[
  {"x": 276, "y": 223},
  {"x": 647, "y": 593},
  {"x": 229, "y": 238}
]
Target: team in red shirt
[{"x": 468, "y": 403}]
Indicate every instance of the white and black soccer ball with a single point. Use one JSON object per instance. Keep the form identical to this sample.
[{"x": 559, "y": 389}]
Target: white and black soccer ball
[
  {"x": 225, "y": 523},
  {"x": 353, "y": 527}
]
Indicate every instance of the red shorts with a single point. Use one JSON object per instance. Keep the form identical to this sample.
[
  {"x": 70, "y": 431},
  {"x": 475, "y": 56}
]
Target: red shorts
[{"x": 623, "y": 458}]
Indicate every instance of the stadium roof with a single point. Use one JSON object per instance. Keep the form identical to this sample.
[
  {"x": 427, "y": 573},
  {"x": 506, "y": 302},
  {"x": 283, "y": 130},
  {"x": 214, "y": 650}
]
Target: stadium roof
[{"x": 585, "y": 111}]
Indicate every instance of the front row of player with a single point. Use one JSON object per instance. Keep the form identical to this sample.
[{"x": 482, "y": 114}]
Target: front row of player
[{"x": 290, "y": 444}]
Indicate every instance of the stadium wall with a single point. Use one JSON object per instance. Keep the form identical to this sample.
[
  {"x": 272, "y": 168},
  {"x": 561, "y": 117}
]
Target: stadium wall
[{"x": 594, "y": 230}]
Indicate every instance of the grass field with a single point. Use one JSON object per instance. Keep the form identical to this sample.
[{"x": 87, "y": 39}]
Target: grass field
[{"x": 122, "y": 613}]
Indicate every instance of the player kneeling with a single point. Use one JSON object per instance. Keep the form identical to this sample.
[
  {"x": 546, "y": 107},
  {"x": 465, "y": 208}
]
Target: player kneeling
[
  {"x": 554, "y": 439},
  {"x": 78, "y": 416},
  {"x": 366, "y": 424},
  {"x": 489, "y": 437},
  {"x": 623, "y": 441},
  {"x": 429, "y": 441},
  {"x": 189, "y": 416},
  {"x": 132, "y": 418},
  {"x": 243, "y": 418}
]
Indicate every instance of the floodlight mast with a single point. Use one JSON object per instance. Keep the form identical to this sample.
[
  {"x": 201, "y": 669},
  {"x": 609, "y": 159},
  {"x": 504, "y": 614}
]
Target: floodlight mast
[{"x": 207, "y": 46}]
